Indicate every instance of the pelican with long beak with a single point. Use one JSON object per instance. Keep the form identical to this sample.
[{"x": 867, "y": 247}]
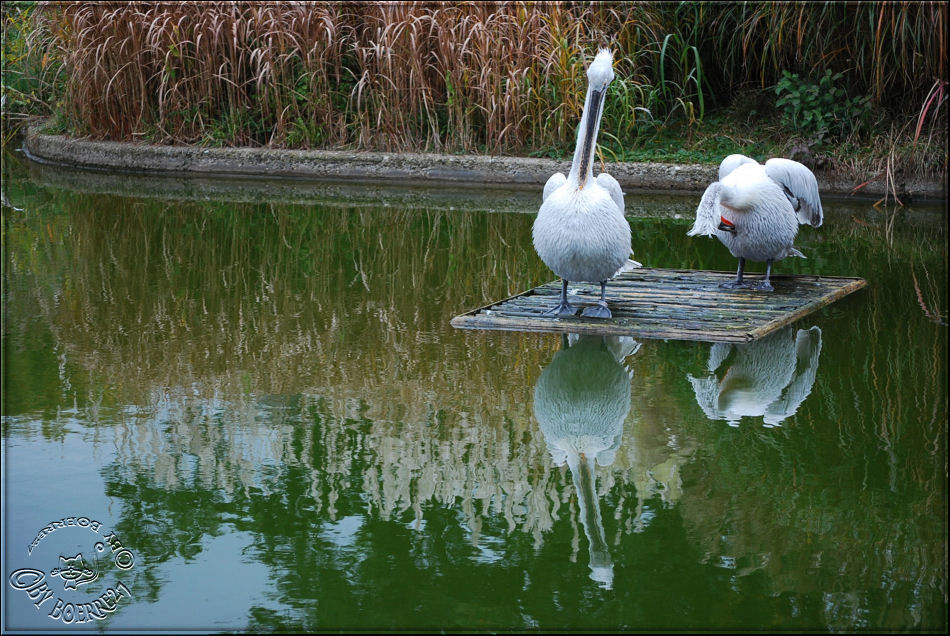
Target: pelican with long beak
[{"x": 580, "y": 231}]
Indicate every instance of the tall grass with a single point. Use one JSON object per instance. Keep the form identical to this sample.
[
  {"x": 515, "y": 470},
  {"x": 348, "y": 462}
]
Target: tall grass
[
  {"x": 26, "y": 80},
  {"x": 485, "y": 77},
  {"x": 371, "y": 75}
]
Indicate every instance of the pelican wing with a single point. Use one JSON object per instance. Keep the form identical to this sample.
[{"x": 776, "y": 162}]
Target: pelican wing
[
  {"x": 707, "y": 393},
  {"x": 611, "y": 185},
  {"x": 718, "y": 354},
  {"x": 800, "y": 184},
  {"x": 554, "y": 182},
  {"x": 707, "y": 214},
  {"x": 807, "y": 350}
]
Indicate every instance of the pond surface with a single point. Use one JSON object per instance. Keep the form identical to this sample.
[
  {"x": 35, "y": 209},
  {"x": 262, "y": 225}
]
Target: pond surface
[{"x": 240, "y": 406}]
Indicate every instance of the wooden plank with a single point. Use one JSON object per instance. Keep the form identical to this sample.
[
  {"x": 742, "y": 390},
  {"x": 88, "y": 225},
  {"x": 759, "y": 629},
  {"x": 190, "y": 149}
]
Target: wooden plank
[{"x": 676, "y": 304}]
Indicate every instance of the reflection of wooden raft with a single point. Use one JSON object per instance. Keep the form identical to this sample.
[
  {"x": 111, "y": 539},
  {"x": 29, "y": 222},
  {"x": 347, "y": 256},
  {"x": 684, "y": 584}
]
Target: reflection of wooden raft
[{"x": 676, "y": 304}]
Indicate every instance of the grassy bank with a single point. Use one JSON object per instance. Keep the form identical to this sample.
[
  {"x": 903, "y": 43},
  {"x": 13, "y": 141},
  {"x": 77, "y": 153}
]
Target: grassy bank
[{"x": 856, "y": 88}]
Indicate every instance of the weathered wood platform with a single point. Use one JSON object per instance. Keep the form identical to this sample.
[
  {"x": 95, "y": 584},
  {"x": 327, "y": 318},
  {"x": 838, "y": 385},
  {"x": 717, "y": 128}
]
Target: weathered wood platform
[{"x": 675, "y": 304}]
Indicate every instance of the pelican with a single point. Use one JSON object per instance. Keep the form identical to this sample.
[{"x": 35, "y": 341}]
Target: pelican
[
  {"x": 581, "y": 401},
  {"x": 767, "y": 378},
  {"x": 580, "y": 231},
  {"x": 755, "y": 211}
]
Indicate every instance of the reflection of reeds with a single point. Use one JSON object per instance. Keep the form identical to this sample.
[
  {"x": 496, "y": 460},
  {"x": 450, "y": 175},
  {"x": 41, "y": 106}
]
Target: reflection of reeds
[
  {"x": 870, "y": 465},
  {"x": 226, "y": 345},
  {"x": 928, "y": 301},
  {"x": 850, "y": 491},
  {"x": 218, "y": 290},
  {"x": 251, "y": 337}
]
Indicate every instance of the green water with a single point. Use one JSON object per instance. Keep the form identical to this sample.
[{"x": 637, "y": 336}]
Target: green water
[{"x": 252, "y": 391}]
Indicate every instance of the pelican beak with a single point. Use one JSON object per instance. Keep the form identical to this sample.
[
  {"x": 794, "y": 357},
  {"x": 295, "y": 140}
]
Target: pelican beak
[
  {"x": 590, "y": 135},
  {"x": 726, "y": 225}
]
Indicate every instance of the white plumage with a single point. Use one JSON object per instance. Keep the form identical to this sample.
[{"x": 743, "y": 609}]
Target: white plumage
[
  {"x": 755, "y": 211},
  {"x": 580, "y": 231},
  {"x": 581, "y": 401},
  {"x": 767, "y": 378}
]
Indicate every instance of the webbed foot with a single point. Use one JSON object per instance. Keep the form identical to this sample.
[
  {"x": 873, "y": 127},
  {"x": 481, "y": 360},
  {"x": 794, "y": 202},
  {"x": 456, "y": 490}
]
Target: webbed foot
[
  {"x": 561, "y": 310},
  {"x": 599, "y": 310},
  {"x": 732, "y": 284}
]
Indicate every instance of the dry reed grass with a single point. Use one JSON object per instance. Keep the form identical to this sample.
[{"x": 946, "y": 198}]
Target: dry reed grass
[{"x": 495, "y": 76}]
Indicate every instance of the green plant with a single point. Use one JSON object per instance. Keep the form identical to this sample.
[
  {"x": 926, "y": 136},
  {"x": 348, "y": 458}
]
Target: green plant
[
  {"x": 688, "y": 66},
  {"x": 822, "y": 111},
  {"x": 29, "y": 72}
]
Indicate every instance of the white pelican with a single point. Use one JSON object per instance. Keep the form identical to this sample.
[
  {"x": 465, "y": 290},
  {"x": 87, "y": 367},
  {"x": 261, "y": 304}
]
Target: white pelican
[
  {"x": 767, "y": 378},
  {"x": 581, "y": 401},
  {"x": 755, "y": 211},
  {"x": 580, "y": 231}
]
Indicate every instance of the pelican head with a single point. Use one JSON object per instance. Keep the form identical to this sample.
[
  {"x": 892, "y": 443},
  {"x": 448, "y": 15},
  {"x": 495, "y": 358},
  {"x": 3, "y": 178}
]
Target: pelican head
[{"x": 599, "y": 75}]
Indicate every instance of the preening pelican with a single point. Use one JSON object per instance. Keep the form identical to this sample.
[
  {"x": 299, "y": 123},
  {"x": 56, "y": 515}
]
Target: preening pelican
[
  {"x": 755, "y": 211},
  {"x": 767, "y": 378},
  {"x": 580, "y": 231},
  {"x": 581, "y": 401}
]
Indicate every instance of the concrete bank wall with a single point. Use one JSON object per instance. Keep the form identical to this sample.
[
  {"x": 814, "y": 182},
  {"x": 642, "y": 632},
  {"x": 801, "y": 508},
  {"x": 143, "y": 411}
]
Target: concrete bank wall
[{"x": 406, "y": 168}]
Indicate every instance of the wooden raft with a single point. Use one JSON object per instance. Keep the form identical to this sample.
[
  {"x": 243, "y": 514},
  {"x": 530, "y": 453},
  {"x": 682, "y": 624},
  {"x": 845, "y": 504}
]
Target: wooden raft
[{"x": 676, "y": 304}]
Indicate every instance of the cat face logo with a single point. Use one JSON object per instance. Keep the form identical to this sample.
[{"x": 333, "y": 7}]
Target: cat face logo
[{"x": 74, "y": 572}]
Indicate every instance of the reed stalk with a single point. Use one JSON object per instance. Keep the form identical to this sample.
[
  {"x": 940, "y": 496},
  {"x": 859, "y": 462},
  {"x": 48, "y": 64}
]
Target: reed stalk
[{"x": 494, "y": 77}]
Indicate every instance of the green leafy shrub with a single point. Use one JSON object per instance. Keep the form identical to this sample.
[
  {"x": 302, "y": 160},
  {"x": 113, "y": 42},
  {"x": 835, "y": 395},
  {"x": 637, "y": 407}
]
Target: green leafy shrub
[{"x": 822, "y": 111}]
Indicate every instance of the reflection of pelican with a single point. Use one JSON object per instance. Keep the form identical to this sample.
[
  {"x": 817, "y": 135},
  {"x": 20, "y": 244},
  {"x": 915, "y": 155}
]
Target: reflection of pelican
[
  {"x": 580, "y": 231},
  {"x": 581, "y": 401},
  {"x": 770, "y": 377},
  {"x": 755, "y": 210}
]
